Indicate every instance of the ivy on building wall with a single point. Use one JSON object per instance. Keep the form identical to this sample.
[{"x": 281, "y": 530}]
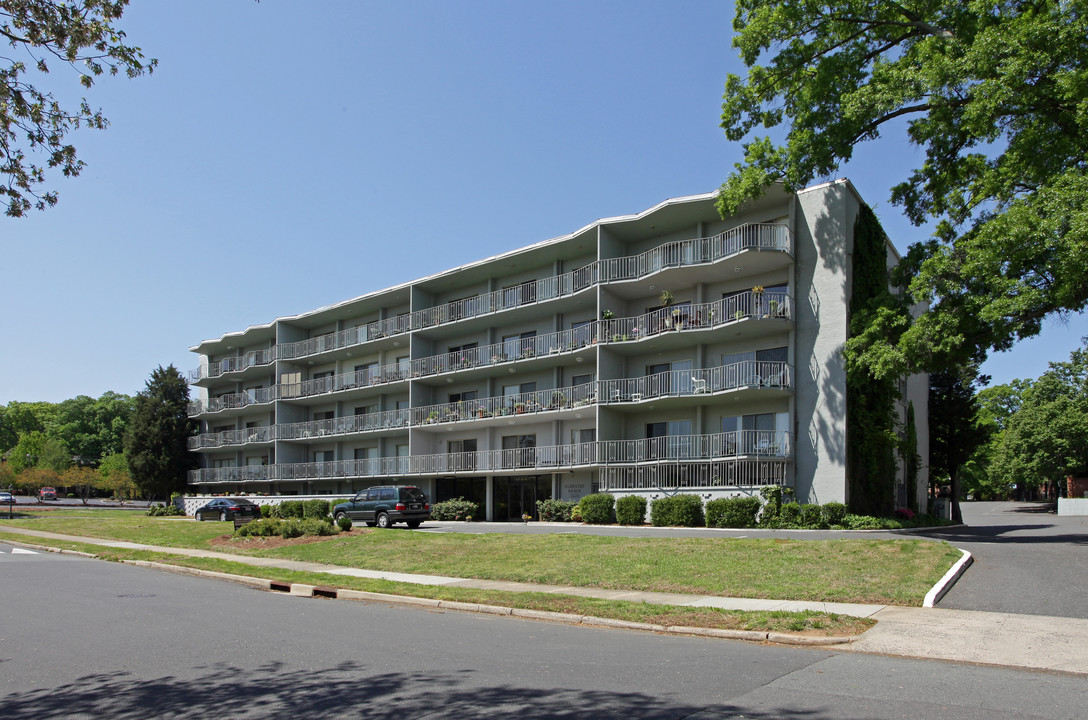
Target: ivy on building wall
[
  {"x": 871, "y": 438},
  {"x": 911, "y": 459}
]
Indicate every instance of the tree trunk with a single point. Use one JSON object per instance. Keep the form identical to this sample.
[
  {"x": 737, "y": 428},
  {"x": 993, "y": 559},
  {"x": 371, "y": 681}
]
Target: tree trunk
[{"x": 957, "y": 516}]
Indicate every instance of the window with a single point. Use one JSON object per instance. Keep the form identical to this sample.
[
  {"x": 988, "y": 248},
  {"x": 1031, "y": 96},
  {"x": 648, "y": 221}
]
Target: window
[
  {"x": 463, "y": 396},
  {"x": 519, "y": 451},
  {"x": 669, "y": 440},
  {"x": 324, "y": 415},
  {"x": 762, "y": 434},
  {"x": 461, "y": 455},
  {"x": 517, "y": 395},
  {"x": 519, "y": 345},
  {"x": 404, "y": 367},
  {"x": 582, "y": 333},
  {"x": 514, "y": 295},
  {"x": 463, "y": 355}
]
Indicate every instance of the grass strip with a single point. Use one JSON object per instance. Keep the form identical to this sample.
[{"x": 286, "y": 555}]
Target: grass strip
[
  {"x": 807, "y": 622},
  {"x": 863, "y": 570}
]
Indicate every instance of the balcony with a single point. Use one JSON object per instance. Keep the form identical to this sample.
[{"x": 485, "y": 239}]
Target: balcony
[
  {"x": 727, "y": 311},
  {"x": 752, "y": 445},
  {"x": 696, "y": 475},
  {"x": 701, "y": 251},
  {"x": 386, "y": 420},
  {"x": 254, "y": 358},
  {"x": 234, "y": 401},
  {"x": 232, "y": 437}
]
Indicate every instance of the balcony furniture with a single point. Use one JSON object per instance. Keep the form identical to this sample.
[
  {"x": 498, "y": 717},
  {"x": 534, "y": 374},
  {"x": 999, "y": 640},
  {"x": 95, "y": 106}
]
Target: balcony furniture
[{"x": 698, "y": 385}]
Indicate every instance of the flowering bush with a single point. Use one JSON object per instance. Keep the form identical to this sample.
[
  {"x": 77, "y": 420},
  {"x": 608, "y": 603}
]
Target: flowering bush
[{"x": 905, "y": 513}]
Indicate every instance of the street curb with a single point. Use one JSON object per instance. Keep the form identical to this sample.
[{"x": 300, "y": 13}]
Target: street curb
[
  {"x": 305, "y": 590},
  {"x": 945, "y": 583}
]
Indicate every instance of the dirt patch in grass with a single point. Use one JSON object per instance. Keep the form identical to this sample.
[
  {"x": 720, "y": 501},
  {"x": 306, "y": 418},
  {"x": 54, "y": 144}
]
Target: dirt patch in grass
[{"x": 229, "y": 542}]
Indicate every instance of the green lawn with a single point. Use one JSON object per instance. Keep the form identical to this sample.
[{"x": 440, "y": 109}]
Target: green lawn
[{"x": 862, "y": 570}]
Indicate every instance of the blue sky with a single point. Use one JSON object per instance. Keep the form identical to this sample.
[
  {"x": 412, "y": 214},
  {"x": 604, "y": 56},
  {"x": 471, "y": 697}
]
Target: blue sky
[{"x": 286, "y": 155}]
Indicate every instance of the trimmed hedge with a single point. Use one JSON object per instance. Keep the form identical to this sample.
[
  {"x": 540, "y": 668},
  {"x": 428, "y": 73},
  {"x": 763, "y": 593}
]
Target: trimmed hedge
[
  {"x": 455, "y": 509},
  {"x": 631, "y": 510},
  {"x": 315, "y": 508},
  {"x": 833, "y": 513},
  {"x": 677, "y": 511},
  {"x": 598, "y": 509},
  {"x": 735, "y": 512}
]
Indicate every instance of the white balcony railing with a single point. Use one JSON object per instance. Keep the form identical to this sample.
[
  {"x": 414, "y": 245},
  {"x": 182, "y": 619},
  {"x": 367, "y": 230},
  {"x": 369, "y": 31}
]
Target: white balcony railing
[
  {"x": 676, "y": 383},
  {"x": 673, "y": 449},
  {"x": 681, "y": 253}
]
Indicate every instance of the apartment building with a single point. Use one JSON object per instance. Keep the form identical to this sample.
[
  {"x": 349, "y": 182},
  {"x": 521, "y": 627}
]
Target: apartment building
[{"x": 669, "y": 351}]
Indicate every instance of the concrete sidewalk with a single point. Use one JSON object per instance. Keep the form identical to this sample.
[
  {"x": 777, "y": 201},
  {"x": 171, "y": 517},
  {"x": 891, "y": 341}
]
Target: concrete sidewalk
[{"x": 1023, "y": 641}]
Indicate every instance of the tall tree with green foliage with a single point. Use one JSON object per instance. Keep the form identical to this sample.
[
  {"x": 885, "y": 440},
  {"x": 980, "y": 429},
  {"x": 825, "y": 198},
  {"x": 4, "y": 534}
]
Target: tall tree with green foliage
[
  {"x": 93, "y": 428},
  {"x": 19, "y": 418},
  {"x": 1046, "y": 438},
  {"x": 993, "y": 92},
  {"x": 157, "y": 441},
  {"x": 83, "y": 37},
  {"x": 954, "y": 430}
]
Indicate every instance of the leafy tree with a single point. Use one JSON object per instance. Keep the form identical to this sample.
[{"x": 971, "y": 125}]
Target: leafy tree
[
  {"x": 1047, "y": 437},
  {"x": 83, "y": 481},
  {"x": 34, "y": 479},
  {"x": 92, "y": 428},
  {"x": 157, "y": 441},
  {"x": 116, "y": 476},
  {"x": 84, "y": 37},
  {"x": 954, "y": 432},
  {"x": 19, "y": 418},
  {"x": 36, "y": 449},
  {"x": 993, "y": 92}
]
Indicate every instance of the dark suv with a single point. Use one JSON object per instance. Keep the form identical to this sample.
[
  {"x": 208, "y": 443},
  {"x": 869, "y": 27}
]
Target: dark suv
[{"x": 386, "y": 504}]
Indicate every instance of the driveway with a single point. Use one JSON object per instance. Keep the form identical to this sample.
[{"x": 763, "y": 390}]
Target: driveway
[{"x": 1027, "y": 560}]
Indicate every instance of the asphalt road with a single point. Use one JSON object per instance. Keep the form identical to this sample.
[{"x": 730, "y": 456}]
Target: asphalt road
[
  {"x": 82, "y": 638},
  {"x": 1028, "y": 560}
]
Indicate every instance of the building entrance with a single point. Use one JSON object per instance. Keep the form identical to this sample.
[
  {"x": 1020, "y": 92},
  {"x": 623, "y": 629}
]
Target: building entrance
[{"x": 514, "y": 497}]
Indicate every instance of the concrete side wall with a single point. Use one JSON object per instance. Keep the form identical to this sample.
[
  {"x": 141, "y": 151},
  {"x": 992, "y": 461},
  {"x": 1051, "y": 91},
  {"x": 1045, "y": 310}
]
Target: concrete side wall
[
  {"x": 1072, "y": 506},
  {"x": 824, "y": 222}
]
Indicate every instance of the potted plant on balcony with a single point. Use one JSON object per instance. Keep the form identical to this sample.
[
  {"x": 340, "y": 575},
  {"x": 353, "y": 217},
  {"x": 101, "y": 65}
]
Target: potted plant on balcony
[
  {"x": 433, "y": 417},
  {"x": 607, "y": 314},
  {"x": 519, "y": 408},
  {"x": 481, "y": 412},
  {"x": 773, "y": 308},
  {"x": 666, "y": 298}
]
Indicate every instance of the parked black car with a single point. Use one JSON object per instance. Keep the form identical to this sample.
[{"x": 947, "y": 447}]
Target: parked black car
[
  {"x": 227, "y": 509},
  {"x": 386, "y": 504}
]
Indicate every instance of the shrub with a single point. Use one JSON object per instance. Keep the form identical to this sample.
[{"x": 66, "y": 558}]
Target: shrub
[
  {"x": 265, "y": 527},
  {"x": 344, "y": 523},
  {"x": 833, "y": 513},
  {"x": 315, "y": 508},
  {"x": 905, "y": 513},
  {"x": 554, "y": 510},
  {"x": 598, "y": 509},
  {"x": 291, "y": 509},
  {"x": 631, "y": 510},
  {"x": 455, "y": 509},
  {"x": 159, "y": 509},
  {"x": 863, "y": 522},
  {"x": 735, "y": 512},
  {"x": 810, "y": 515},
  {"x": 576, "y": 513},
  {"x": 678, "y": 510},
  {"x": 789, "y": 514}
]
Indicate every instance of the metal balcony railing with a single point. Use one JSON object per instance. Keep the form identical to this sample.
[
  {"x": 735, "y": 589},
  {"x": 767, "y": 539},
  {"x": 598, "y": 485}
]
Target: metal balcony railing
[
  {"x": 670, "y": 449},
  {"x": 253, "y": 358},
  {"x": 673, "y": 254},
  {"x": 257, "y": 396},
  {"x": 694, "y": 317},
  {"x": 697, "y": 252},
  {"x": 703, "y": 474},
  {"x": 266, "y": 433},
  {"x": 386, "y": 420}
]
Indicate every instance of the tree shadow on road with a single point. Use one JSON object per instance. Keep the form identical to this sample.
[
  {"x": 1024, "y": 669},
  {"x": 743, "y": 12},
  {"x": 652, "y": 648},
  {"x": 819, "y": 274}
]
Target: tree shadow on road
[{"x": 346, "y": 690}]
